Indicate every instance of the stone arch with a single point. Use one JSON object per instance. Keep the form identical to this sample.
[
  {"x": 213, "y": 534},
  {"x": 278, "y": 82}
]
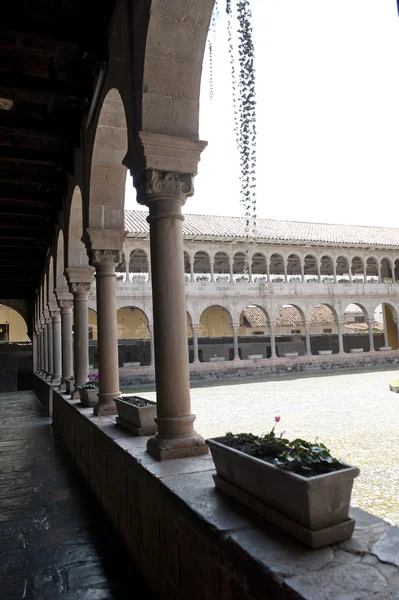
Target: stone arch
[
  {"x": 50, "y": 281},
  {"x": 59, "y": 267},
  {"x": 276, "y": 263},
  {"x": 221, "y": 266},
  {"x": 14, "y": 326},
  {"x": 259, "y": 266},
  {"x": 342, "y": 265},
  {"x": 108, "y": 174},
  {"x": 371, "y": 267},
  {"x": 386, "y": 268},
  {"x": 361, "y": 306},
  {"x": 239, "y": 263},
  {"x": 332, "y": 309},
  {"x": 215, "y": 321},
  {"x": 76, "y": 250},
  {"x": 327, "y": 267},
  {"x": 92, "y": 322},
  {"x": 143, "y": 306},
  {"x": 294, "y": 266},
  {"x": 132, "y": 323},
  {"x": 202, "y": 266},
  {"x": 357, "y": 267},
  {"x": 310, "y": 266},
  {"x": 187, "y": 265},
  {"x": 138, "y": 262},
  {"x": 282, "y": 317},
  {"x": 189, "y": 323},
  {"x": 254, "y": 318}
]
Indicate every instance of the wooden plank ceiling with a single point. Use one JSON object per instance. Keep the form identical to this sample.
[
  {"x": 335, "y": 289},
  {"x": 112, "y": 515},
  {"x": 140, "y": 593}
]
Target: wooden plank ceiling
[{"x": 50, "y": 55}]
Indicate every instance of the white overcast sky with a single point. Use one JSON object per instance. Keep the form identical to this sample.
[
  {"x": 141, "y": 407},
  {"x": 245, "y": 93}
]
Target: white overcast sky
[{"x": 327, "y": 77}]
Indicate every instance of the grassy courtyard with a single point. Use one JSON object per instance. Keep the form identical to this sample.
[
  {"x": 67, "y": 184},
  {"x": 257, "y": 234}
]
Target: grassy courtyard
[{"x": 354, "y": 414}]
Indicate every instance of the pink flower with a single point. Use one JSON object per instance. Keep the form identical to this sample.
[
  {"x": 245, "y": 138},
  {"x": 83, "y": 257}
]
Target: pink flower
[{"x": 277, "y": 419}]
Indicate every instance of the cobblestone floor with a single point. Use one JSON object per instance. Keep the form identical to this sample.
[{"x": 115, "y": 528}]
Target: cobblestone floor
[
  {"x": 354, "y": 414},
  {"x": 55, "y": 541}
]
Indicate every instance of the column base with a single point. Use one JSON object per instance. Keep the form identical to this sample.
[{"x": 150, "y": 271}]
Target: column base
[
  {"x": 106, "y": 406},
  {"x": 185, "y": 446},
  {"x": 196, "y": 362},
  {"x": 308, "y": 354},
  {"x": 56, "y": 381}
]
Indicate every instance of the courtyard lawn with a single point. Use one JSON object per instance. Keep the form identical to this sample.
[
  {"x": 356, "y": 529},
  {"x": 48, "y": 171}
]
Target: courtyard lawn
[{"x": 354, "y": 414}]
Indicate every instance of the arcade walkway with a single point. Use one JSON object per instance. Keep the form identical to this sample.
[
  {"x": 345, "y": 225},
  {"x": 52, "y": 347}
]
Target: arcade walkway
[{"x": 55, "y": 541}]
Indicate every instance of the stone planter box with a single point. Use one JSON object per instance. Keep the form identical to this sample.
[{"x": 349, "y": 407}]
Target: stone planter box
[
  {"x": 385, "y": 348},
  {"x": 394, "y": 388},
  {"x": 69, "y": 385},
  {"x": 88, "y": 397},
  {"x": 356, "y": 350},
  {"x": 217, "y": 359},
  {"x": 139, "y": 420},
  {"x": 131, "y": 364},
  {"x": 313, "y": 509},
  {"x": 290, "y": 354},
  {"x": 324, "y": 352},
  {"x": 255, "y": 356}
]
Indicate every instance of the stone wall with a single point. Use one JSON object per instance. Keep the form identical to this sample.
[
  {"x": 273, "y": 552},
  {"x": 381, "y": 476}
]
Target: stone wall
[
  {"x": 190, "y": 541},
  {"x": 265, "y": 368}
]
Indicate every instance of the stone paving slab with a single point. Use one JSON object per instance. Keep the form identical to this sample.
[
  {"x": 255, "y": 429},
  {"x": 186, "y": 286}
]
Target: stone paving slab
[{"x": 55, "y": 540}]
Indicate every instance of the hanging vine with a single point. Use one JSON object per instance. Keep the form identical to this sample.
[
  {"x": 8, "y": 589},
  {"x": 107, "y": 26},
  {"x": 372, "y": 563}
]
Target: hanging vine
[{"x": 211, "y": 37}]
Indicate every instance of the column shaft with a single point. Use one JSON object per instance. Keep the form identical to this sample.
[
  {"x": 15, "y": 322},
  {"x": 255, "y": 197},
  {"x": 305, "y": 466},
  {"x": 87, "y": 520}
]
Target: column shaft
[
  {"x": 56, "y": 347},
  {"x": 195, "y": 329},
  {"x": 235, "y": 328},
  {"x": 67, "y": 341},
  {"x": 340, "y": 338},
  {"x": 81, "y": 292},
  {"x": 211, "y": 269},
  {"x": 370, "y": 324},
  {"x": 105, "y": 262},
  {"x": 272, "y": 341},
  {"x": 165, "y": 193},
  {"x": 192, "y": 276},
  {"x": 152, "y": 347},
  {"x": 231, "y": 271},
  {"x": 307, "y": 340}
]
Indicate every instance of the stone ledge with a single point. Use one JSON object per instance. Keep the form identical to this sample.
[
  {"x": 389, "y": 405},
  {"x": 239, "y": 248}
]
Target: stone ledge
[{"x": 189, "y": 540}]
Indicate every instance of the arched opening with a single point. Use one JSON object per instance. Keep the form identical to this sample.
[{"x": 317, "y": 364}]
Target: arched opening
[
  {"x": 294, "y": 269},
  {"x": 342, "y": 269},
  {"x": 221, "y": 267},
  {"x": 134, "y": 337},
  {"x": 202, "y": 266},
  {"x": 215, "y": 322},
  {"x": 60, "y": 280},
  {"x": 254, "y": 322},
  {"x": 310, "y": 268},
  {"x": 120, "y": 269},
  {"x": 356, "y": 329},
  {"x": 323, "y": 330},
  {"x": 138, "y": 265},
  {"x": 357, "y": 270},
  {"x": 240, "y": 267},
  {"x": 277, "y": 271},
  {"x": 372, "y": 275},
  {"x": 385, "y": 322},
  {"x": 290, "y": 327},
  {"x": 92, "y": 325},
  {"x": 259, "y": 267},
  {"x": 108, "y": 175},
  {"x": 327, "y": 269},
  {"x": 187, "y": 267},
  {"x": 13, "y": 327},
  {"x": 386, "y": 270},
  {"x": 76, "y": 250}
]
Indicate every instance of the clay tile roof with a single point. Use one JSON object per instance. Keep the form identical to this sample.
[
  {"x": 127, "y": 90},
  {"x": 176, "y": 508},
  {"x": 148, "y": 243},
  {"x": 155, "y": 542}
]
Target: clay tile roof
[
  {"x": 272, "y": 230},
  {"x": 288, "y": 316}
]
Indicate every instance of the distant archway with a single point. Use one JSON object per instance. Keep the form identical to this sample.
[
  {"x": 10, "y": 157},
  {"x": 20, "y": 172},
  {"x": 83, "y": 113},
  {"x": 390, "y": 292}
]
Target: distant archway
[
  {"x": 215, "y": 321},
  {"x": 13, "y": 327},
  {"x": 132, "y": 324}
]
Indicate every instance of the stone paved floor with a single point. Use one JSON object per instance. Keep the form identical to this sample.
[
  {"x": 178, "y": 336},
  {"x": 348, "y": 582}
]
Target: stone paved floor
[
  {"x": 354, "y": 414},
  {"x": 55, "y": 541}
]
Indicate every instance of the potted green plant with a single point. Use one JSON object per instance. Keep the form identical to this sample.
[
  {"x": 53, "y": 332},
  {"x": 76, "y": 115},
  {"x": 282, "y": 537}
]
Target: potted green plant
[
  {"x": 296, "y": 485},
  {"x": 136, "y": 414},
  {"x": 69, "y": 384},
  {"x": 89, "y": 391}
]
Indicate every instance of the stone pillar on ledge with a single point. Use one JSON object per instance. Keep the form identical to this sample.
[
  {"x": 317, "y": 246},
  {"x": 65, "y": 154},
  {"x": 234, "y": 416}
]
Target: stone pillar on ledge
[
  {"x": 307, "y": 339},
  {"x": 272, "y": 329},
  {"x": 396, "y": 321},
  {"x": 235, "y": 327},
  {"x": 195, "y": 329},
  {"x": 370, "y": 324},
  {"x": 65, "y": 303},
  {"x": 340, "y": 325},
  {"x": 49, "y": 324},
  {"x": 80, "y": 281},
  {"x": 56, "y": 322},
  {"x": 44, "y": 347},
  {"x": 165, "y": 193},
  {"x": 38, "y": 347},
  {"x": 152, "y": 348},
  {"x": 105, "y": 262}
]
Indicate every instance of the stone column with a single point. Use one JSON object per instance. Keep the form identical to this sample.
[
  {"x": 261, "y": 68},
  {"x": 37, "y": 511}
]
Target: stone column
[
  {"x": 49, "y": 323},
  {"x": 56, "y": 322},
  {"x": 350, "y": 273},
  {"x": 307, "y": 339},
  {"x": 149, "y": 269},
  {"x": 66, "y": 305},
  {"x": 370, "y": 324},
  {"x": 192, "y": 276},
  {"x": 250, "y": 270},
  {"x": 45, "y": 345},
  {"x": 340, "y": 325},
  {"x": 195, "y": 329},
  {"x": 235, "y": 327},
  {"x": 396, "y": 321},
  {"x": 80, "y": 280},
  {"x": 302, "y": 272},
  {"x": 127, "y": 265},
  {"x": 231, "y": 265},
  {"x": 152, "y": 347},
  {"x": 105, "y": 262},
  {"x": 318, "y": 271},
  {"x": 211, "y": 264},
  {"x": 272, "y": 326},
  {"x": 335, "y": 271},
  {"x": 285, "y": 273},
  {"x": 36, "y": 350},
  {"x": 268, "y": 268},
  {"x": 164, "y": 194}
]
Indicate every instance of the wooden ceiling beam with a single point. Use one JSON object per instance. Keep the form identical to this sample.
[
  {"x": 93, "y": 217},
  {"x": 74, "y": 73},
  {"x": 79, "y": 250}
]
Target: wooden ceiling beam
[
  {"x": 13, "y": 124},
  {"x": 45, "y": 87},
  {"x": 43, "y": 157}
]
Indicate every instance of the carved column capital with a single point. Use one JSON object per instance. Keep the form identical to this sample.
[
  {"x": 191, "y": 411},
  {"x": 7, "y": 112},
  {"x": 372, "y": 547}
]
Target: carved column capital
[
  {"x": 65, "y": 304},
  {"x": 100, "y": 257},
  {"x": 80, "y": 287},
  {"x": 160, "y": 185}
]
